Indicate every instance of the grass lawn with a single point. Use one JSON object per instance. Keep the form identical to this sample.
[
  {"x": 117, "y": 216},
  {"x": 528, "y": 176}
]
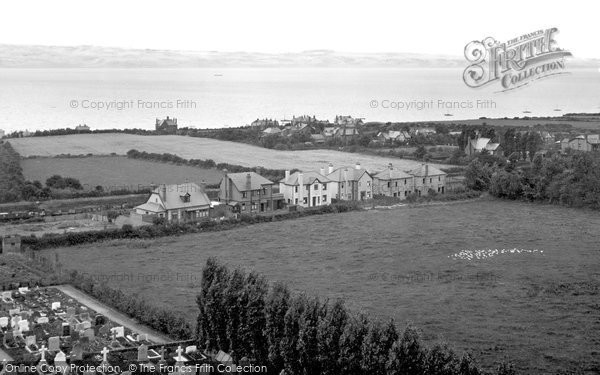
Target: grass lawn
[
  {"x": 538, "y": 308},
  {"x": 200, "y": 148},
  {"x": 115, "y": 172}
]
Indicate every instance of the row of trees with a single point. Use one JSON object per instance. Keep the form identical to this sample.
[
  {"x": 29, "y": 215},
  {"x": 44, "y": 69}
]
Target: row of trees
[
  {"x": 572, "y": 179},
  {"x": 242, "y": 314},
  {"x": 271, "y": 174}
]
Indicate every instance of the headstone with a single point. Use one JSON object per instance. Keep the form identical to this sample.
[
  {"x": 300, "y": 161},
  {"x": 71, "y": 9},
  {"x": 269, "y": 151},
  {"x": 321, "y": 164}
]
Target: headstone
[
  {"x": 30, "y": 340},
  {"x": 70, "y": 311},
  {"x": 179, "y": 357},
  {"x": 191, "y": 349},
  {"x": 75, "y": 335},
  {"x": 142, "y": 337},
  {"x": 119, "y": 331},
  {"x": 85, "y": 317},
  {"x": 14, "y": 321},
  {"x": 66, "y": 329},
  {"x": 12, "y": 312},
  {"x": 54, "y": 343},
  {"x": 55, "y": 305},
  {"x": 77, "y": 352},
  {"x": 7, "y": 295},
  {"x": 87, "y": 324},
  {"x": 104, "y": 353},
  {"x": 89, "y": 333},
  {"x": 142, "y": 353},
  {"x": 60, "y": 359},
  {"x": 23, "y": 290},
  {"x": 4, "y": 321},
  {"x": 24, "y": 325},
  {"x": 79, "y": 327},
  {"x": 42, "y": 319}
]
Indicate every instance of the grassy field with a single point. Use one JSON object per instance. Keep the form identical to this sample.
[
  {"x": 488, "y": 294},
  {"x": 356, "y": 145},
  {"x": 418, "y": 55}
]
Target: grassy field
[
  {"x": 540, "y": 308},
  {"x": 115, "y": 172},
  {"x": 199, "y": 148}
]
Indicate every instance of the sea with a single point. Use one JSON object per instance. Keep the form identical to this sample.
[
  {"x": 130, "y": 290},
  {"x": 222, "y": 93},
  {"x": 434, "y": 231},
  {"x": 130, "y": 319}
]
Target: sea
[{"x": 32, "y": 99}]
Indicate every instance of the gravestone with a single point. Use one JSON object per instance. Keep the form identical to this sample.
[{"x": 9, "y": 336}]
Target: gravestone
[
  {"x": 30, "y": 340},
  {"x": 15, "y": 321},
  {"x": 70, "y": 311},
  {"x": 142, "y": 337},
  {"x": 191, "y": 349},
  {"x": 79, "y": 327},
  {"x": 75, "y": 335},
  {"x": 38, "y": 330},
  {"x": 85, "y": 317},
  {"x": 7, "y": 295},
  {"x": 24, "y": 325},
  {"x": 60, "y": 359},
  {"x": 42, "y": 319},
  {"x": 4, "y": 321},
  {"x": 12, "y": 312},
  {"x": 119, "y": 331},
  {"x": 86, "y": 324},
  {"x": 54, "y": 343},
  {"x": 142, "y": 353},
  {"x": 77, "y": 352},
  {"x": 55, "y": 305}
]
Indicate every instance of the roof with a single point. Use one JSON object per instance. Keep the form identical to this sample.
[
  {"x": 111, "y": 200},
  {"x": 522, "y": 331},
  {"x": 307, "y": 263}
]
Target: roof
[
  {"x": 346, "y": 174},
  {"x": 392, "y": 174},
  {"x": 318, "y": 137},
  {"x": 272, "y": 131},
  {"x": 240, "y": 181},
  {"x": 480, "y": 143},
  {"x": 173, "y": 196},
  {"x": 168, "y": 122},
  {"x": 426, "y": 170},
  {"x": 151, "y": 206},
  {"x": 492, "y": 146},
  {"x": 307, "y": 178}
]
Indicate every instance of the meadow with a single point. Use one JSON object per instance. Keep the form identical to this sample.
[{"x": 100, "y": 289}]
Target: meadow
[
  {"x": 499, "y": 279},
  {"x": 115, "y": 172},
  {"x": 200, "y": 148}
]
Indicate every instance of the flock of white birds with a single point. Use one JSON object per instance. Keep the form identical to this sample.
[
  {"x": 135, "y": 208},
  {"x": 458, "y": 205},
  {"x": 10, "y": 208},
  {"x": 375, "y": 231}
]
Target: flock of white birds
[{"x": 489, "y": 253}]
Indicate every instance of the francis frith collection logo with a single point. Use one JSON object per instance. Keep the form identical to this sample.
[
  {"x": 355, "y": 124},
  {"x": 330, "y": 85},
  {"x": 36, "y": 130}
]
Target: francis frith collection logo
[{"x": 514, "y": 63}]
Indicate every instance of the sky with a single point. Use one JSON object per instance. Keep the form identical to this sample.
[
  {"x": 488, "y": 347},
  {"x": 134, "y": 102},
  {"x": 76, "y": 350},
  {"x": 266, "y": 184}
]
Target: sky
[{"x": 431, "y": 27}]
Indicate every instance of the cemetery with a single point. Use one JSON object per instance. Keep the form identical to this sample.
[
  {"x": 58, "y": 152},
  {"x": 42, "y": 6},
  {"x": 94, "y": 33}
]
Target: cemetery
[{"x": 41, "y": 325}]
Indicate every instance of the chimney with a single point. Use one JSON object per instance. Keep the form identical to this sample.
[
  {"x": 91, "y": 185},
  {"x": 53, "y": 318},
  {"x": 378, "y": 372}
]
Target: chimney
[
  {"x": 248, "y": 181},
  {"x": 330, "y": 168},
  {"x": 426, "y": 169},
  {"x": 162, "y": 192},
  {"x": 287, "y": 175},
  {"x": 203, "y": 186},
  {"x": 322, "y": 171},
  {"x": 175, "y": 120},
  {"x": 357, "y": 166},
  {"x": 167, "y": 117},
  {"x": 390, "y": 166},
  {"x": 300, "y": 187},
  {"x": 157, "y": 122}
]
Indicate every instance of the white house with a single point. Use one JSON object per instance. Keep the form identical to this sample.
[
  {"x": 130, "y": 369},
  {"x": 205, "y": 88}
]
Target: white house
[
  {"x": 393, "y": 182},
  {"x": 306, "y": 189},
  {"x": 350, "y": 183},
  {"x": 427, "y": 177},
  {"x": 480, "y": 144},
  {"x": 184, "y": 202}
]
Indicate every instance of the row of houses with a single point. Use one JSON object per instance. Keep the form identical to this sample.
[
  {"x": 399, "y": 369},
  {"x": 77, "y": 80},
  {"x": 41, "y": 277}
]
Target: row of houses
[
  {"x": 590, "y": 142},
  {"x": 252, "y": 193},
  {"x": 319, "y": 131}
]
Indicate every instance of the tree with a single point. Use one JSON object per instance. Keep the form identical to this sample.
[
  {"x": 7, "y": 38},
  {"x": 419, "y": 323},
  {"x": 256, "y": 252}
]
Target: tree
[
  {"x": 420, "y": 152},
  {"x": 276, "y": 307},
  {"x": 478, "y": 175},
  {"x": 289, "y": 343},
  {"x": 330, "y": 329},
  {"x": 351, "y": 343},
  {"x": 406, "y": 356}
]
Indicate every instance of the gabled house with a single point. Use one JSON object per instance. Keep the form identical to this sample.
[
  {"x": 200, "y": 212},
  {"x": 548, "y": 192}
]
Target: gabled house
[
  {"x": 177, "y": 203},
  {"x": 428, "y": 177},
  {"x": 479, "y": 144},
  {"x": 249, "y": 192},
  {"x": 264, "y": 123},
  {"x": 166, "y": 126},
  {"x": 393, "y": 136},
  {"x": 271, "y": 131},
  {"x": 581, "y": 143},
  {"x": 393, "y": 182},
  {"x": 305, "y": 189},
  {"x": 82, "y": 128},
  {"x": 349, "y": 183}
]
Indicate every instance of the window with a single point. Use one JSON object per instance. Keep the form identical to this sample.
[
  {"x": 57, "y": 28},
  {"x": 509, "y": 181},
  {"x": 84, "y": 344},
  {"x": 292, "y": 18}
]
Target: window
[
  {"x": 296, "y": 189},
  {"x": 243, "y": 206},
  {"x": 389, "y": 184},
  {"x": 324, "y": 198},
  {"x": 405, "y": 181},
  {"x": 243, "y": 194},
  {"x": 406, "y": 193},
  {"x": 439, "y": 178},
  {"x": 423, "y": 180},
  {"x": 305, "y": 200},
  {"x": 316, "y": 187},
  {"x": 396, "y": 184},
  {"x": 430, "y": 180},
  {"x": 264, "y": 191},
  {"x": 254, "y": 206},
  {"x": 324, "y": 186},
  {"x": 296, "y": 201}
]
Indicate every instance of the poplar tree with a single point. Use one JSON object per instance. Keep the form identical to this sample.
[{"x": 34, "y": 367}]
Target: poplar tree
[{"x": 277, "y": 304}]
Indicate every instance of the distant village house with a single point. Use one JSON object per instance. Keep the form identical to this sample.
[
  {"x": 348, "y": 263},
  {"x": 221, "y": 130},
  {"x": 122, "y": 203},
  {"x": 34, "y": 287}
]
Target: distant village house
[
  {"x": 305, "y": 189},
  {"x": 166, "y": 126},
  {"x": 249, "y": 192},
  {"x": 480, "y": 144},
  {"x": 177, "y": 203},
  {"x": 349, "y": 183}
]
